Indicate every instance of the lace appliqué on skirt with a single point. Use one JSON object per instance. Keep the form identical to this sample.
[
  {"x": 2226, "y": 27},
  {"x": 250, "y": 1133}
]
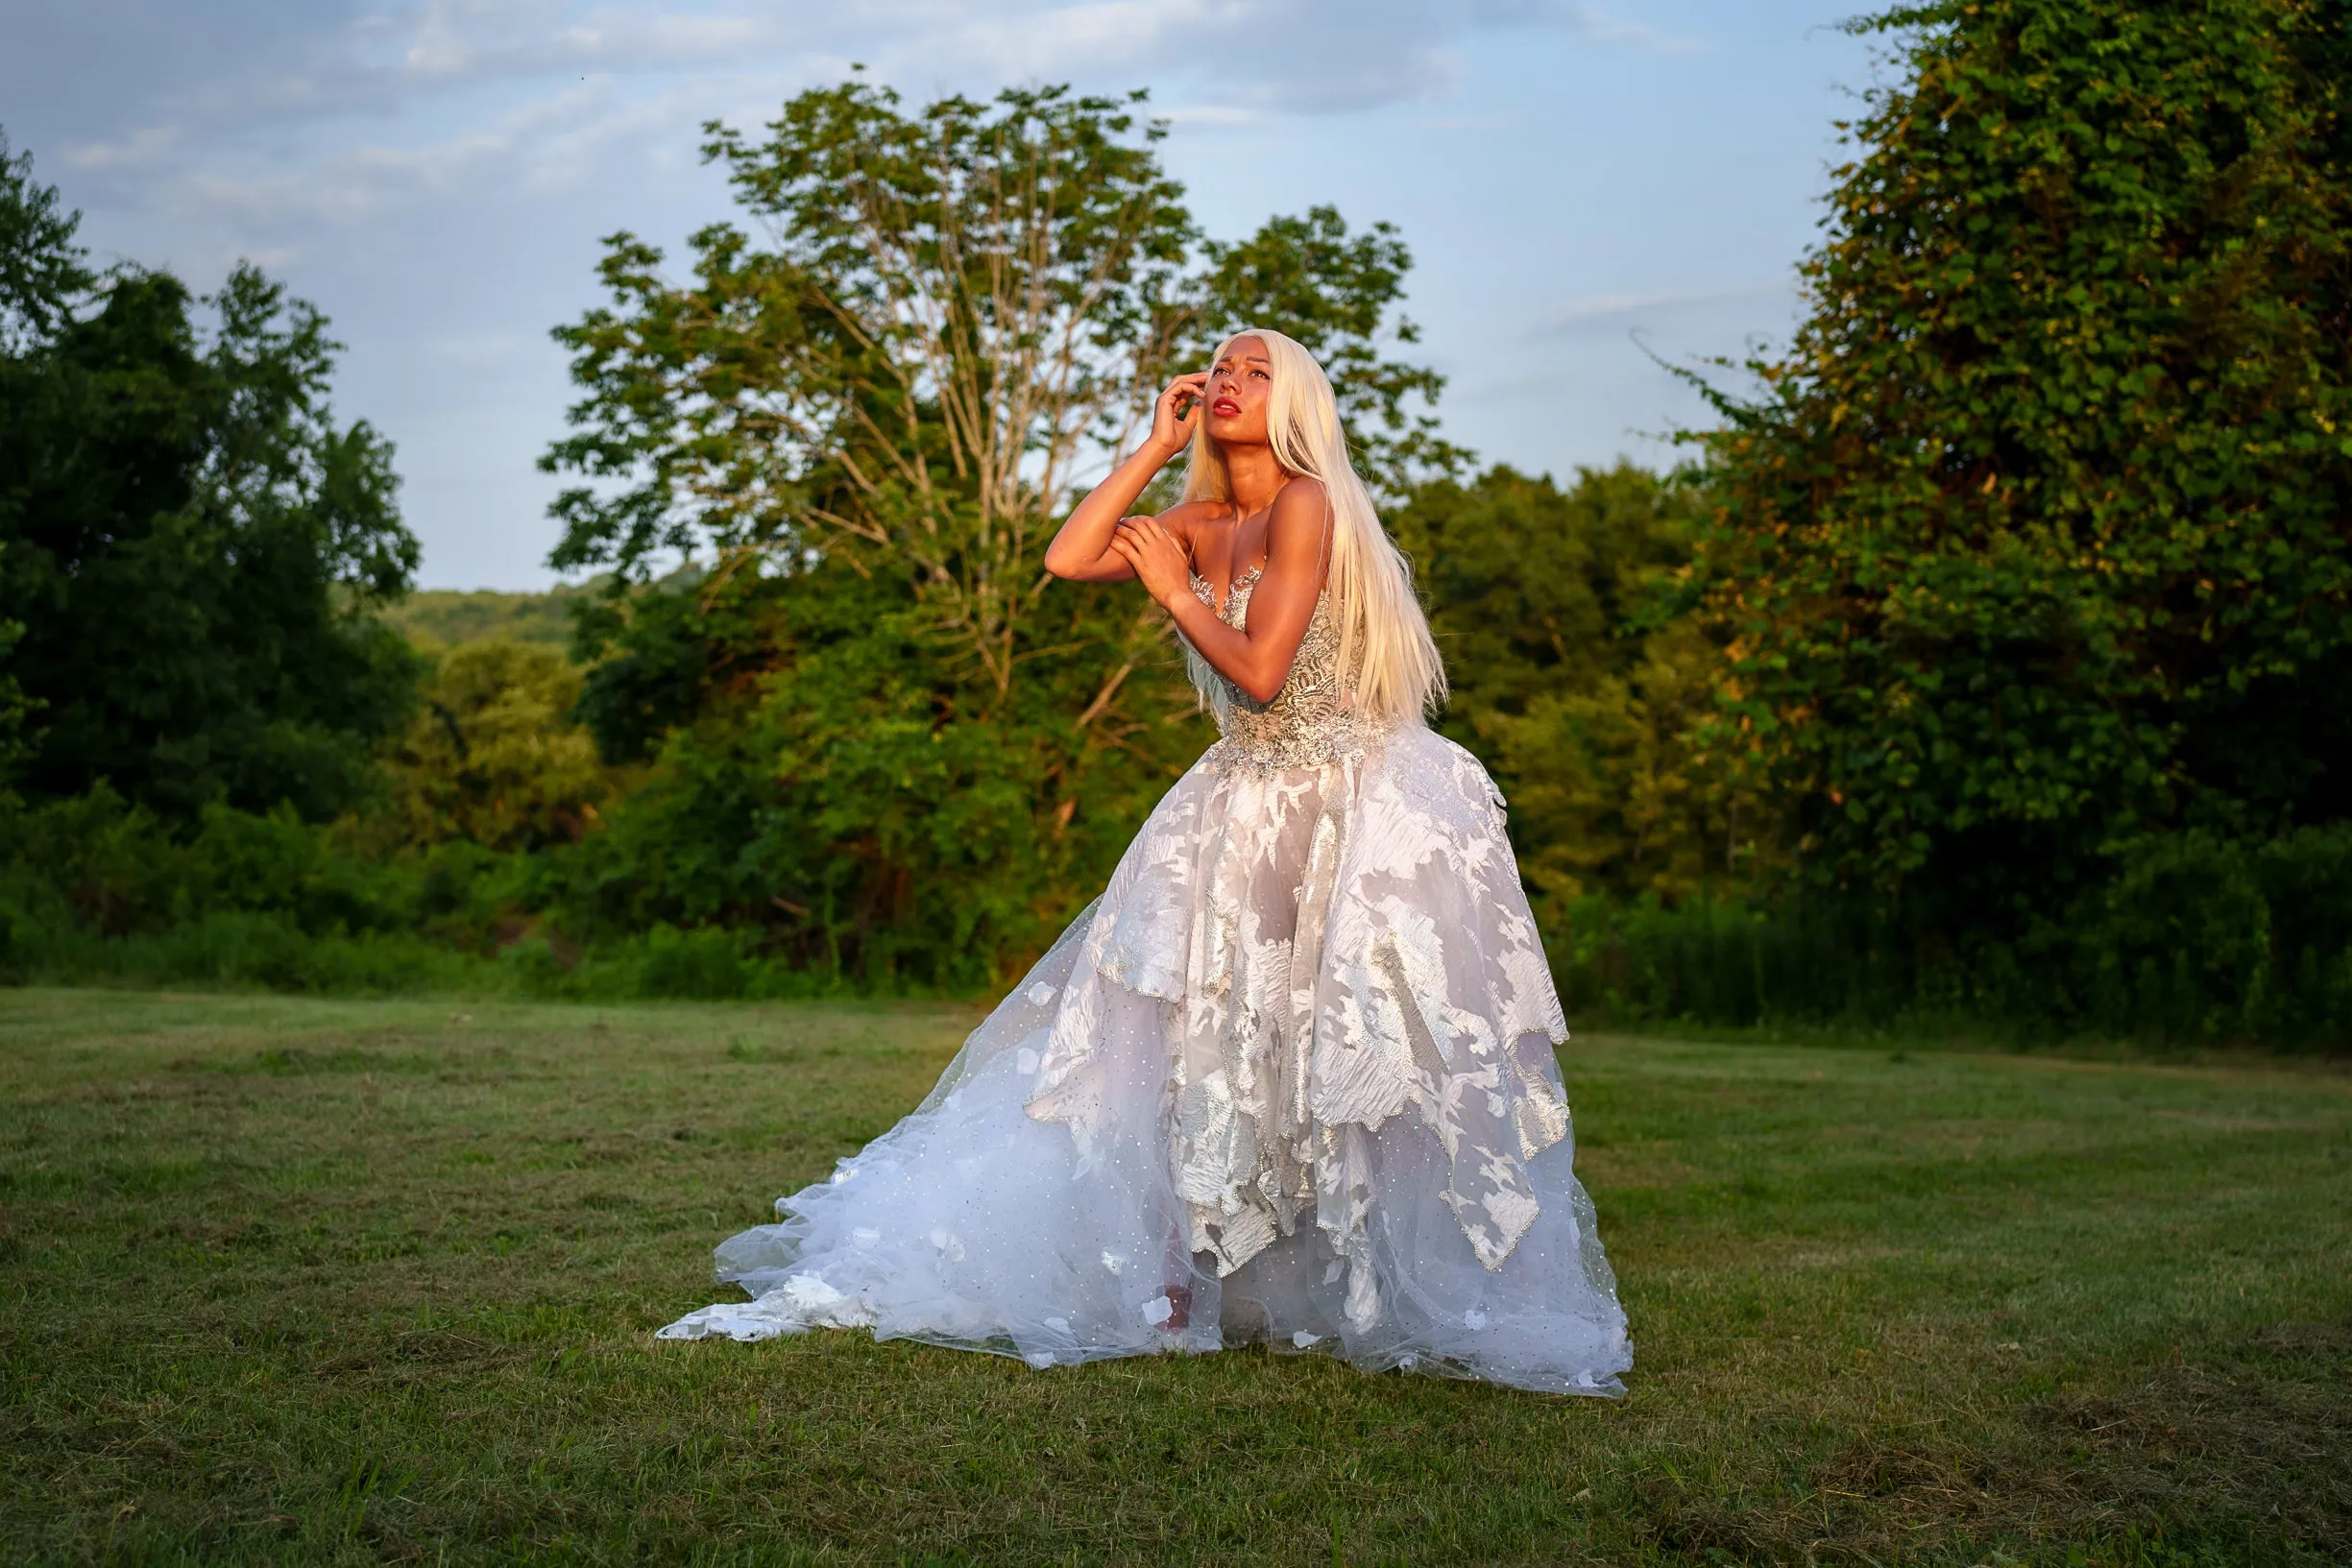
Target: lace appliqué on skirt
[
  {"x": 1337, "y": 947},
  {"x": 1356, "y": 947}
]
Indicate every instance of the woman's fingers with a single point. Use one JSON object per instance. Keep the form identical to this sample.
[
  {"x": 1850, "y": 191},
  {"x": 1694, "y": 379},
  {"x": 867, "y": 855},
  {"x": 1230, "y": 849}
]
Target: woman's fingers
[{"x": 1142, "y": 542}]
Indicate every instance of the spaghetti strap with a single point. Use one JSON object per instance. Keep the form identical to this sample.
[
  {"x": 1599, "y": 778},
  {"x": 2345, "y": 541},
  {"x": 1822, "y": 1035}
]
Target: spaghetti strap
[{"x": 1331, "y": 534}]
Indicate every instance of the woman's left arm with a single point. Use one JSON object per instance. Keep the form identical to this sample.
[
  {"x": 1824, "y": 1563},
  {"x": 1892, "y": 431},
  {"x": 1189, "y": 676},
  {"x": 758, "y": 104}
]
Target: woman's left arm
[{"x": 1257, "y": 660}]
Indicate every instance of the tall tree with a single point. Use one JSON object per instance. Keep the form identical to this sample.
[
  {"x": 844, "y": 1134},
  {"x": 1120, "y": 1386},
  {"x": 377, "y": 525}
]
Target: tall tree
[
  {"x": 42, "y": 273},
  {"x": 899, "y": 743},
  {"x": 194, "y": 547},
  {"x": 1588, "y": 703},
  {"x": 2039, "y": 538}
]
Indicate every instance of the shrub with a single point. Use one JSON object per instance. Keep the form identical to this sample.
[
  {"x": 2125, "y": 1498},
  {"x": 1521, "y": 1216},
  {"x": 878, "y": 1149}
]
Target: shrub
[{"x": 2193, "y": 940}]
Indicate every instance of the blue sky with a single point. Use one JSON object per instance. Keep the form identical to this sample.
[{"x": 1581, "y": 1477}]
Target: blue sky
[{"x": 1576, "y": 181}]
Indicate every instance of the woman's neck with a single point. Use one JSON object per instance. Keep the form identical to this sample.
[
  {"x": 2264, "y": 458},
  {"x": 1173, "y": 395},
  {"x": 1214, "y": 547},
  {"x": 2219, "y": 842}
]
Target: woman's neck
[{"x": 1255, "y": 476}]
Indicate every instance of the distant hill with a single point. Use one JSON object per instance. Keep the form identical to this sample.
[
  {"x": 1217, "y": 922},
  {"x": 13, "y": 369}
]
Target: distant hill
[{"x": 443, "y": 617}]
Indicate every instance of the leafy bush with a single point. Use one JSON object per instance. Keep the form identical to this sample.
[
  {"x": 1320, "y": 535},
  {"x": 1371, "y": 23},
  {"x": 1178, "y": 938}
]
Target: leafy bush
[
  {"x": 493, "y": 756},
  {"x": 107, "y": 867},
  {"x": 95, "y": 889},
  {"x": 2193, "y": 940},
  {"x": 2198, "y": 939}
]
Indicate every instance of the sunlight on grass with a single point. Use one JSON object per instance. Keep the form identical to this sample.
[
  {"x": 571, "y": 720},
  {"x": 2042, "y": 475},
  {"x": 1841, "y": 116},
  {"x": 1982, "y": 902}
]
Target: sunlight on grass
[{"x": 359, "y": 1281}]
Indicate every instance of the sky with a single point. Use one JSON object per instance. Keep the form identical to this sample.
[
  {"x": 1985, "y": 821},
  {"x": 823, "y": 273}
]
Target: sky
[{"x": 1587, "y": 189}]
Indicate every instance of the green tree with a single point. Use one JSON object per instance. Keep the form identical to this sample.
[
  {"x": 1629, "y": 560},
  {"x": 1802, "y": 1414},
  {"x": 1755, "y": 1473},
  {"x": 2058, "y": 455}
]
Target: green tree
[
  {"x": 2034, "y": 542},
  {"x": 194, "y": 547},
  {"x": 1586, "y": 700},
  {"x": 43, "y": 274},
  {"x": 885, "y": 733},
  {"x": 14, "y": 709},
  {"x": 493, "y": 754}
]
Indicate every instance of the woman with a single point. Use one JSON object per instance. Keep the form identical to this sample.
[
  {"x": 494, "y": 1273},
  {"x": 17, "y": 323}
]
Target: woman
[{"x": 1291, "y": 1078}]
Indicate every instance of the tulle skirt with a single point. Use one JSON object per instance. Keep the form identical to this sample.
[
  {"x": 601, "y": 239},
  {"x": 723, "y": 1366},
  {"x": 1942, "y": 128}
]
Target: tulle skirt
[{"x": 1290, "y": 1079}]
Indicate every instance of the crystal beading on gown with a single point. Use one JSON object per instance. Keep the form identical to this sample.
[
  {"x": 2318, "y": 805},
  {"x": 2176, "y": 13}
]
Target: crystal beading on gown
[{"x": 1290, "y": 1078}]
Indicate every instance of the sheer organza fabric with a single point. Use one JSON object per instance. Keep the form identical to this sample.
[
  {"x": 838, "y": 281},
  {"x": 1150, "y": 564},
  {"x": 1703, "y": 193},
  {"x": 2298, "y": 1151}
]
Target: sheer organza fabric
[{"x": 1290, "y": 1079}]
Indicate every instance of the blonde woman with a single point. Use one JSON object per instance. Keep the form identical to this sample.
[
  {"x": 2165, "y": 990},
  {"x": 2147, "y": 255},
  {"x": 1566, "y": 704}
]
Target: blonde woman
[{"x": 1291, "y": 1078}]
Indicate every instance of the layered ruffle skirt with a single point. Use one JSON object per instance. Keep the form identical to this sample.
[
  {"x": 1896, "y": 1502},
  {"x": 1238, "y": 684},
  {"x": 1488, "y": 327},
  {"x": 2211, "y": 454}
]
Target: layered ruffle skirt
[{"x": 1290, "y": 1079}]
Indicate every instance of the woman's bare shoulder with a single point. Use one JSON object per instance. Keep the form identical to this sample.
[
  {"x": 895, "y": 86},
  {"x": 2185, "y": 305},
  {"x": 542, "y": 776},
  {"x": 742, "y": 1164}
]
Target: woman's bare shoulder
[
  {"x": 1300, "y": 506},
  {"x": 1186, "y": 517},
  {"x": 1301, "y": 492}
]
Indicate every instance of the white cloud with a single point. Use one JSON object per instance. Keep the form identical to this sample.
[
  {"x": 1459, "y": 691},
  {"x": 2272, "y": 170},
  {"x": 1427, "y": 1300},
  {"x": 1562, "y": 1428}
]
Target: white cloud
[
  {"x": 286, "y": 108},
  {"x": 544, "y": 144},
  {"x": 130, "y": 151},
  {"x": 461, "y": 40},
  {"x": 1213, "y": 116},
  {"x": 1622, "y": 312},
  {"x": 1597, "y": 26},
  {"x": 1592, "y": 23},
  {"x": 262, "y": 61}
]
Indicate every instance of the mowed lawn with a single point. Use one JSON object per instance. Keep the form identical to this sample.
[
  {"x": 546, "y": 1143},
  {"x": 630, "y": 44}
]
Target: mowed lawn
[{"x": 318, "y": 1281}]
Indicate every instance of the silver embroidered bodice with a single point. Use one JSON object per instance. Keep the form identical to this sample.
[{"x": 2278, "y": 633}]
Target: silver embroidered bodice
[{"x": 1311, "y": 722}]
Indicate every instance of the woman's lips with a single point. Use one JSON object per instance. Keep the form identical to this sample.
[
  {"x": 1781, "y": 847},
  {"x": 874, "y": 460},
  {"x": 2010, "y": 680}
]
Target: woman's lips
[{"x": 1225, "y": 408}]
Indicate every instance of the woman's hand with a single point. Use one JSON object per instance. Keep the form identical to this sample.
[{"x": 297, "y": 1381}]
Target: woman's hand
[
  {"x": 1170, "y": 428},
  {"x": 1159, "y": 562}
]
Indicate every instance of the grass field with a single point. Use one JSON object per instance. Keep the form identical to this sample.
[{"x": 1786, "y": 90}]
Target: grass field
[{"x": 318, "y": 1281}]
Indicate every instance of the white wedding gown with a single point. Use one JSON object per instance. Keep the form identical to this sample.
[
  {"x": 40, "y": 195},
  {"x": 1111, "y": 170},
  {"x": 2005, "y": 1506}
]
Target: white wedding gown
[{"x": 1290, "y": 1078}]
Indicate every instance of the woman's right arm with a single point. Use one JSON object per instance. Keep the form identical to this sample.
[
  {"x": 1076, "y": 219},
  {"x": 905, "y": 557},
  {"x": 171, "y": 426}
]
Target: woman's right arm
[{"x": 1082, "y": 550}]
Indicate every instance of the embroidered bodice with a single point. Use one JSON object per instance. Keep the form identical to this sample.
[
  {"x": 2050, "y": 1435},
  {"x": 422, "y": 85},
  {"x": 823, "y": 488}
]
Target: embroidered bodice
[{"x": 1311, "y": 722}]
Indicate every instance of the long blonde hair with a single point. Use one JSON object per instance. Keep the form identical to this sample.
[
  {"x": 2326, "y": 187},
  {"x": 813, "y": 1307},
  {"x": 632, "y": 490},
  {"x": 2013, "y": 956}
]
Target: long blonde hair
[{"x": 1387, "y": 655}]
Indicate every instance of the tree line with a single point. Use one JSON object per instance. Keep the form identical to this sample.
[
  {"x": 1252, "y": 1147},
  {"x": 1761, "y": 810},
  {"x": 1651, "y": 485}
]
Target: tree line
[{"x": 1987, "y": 659}]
